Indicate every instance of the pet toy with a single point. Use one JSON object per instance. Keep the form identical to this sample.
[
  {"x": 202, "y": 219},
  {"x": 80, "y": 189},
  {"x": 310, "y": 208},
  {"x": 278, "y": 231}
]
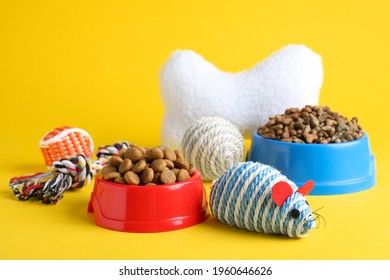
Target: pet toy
[
  {"x": 67, "y": 173},
  {"x": 213, "y": 145},
  {"x": 64, "y": 142},
  {"x": 192, "y": 88},
  {"x": 258, "y": 197}
]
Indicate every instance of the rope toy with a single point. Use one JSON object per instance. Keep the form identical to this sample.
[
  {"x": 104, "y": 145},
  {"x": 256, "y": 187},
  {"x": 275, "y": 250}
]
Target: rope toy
[
  {"x": 67, "y": 173},
  {"x": 258, "y": 197},
  {"x": 213, "y": 145},
  {"x": 64, "y": 142}
]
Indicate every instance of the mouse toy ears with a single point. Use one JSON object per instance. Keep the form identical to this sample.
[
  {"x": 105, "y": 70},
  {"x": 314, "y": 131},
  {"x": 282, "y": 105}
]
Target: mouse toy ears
[{"x": 282, "y": 190}]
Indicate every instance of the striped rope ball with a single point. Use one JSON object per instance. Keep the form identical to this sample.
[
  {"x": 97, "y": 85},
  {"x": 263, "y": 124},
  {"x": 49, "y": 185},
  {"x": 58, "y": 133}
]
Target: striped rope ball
[
  {"x": 64, "y": 142},
  {"x": 244, "y": 197},
  {"x": 213, "y": 145}
]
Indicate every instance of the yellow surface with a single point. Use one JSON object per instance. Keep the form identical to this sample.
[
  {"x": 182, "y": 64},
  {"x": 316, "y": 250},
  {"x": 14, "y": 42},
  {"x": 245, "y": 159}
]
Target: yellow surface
[{"x": 94, "y": 65}]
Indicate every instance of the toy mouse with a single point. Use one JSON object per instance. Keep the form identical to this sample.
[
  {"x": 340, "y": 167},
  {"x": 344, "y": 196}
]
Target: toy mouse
[{"x": 257, "y": 197}]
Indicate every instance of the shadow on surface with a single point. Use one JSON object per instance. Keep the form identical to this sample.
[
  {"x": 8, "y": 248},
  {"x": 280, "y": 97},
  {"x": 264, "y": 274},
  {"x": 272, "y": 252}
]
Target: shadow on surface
[
  {"x": 215, "y": 225},
  {"x": 24, "y": 168},
  {"x": 77, "y": 206}
]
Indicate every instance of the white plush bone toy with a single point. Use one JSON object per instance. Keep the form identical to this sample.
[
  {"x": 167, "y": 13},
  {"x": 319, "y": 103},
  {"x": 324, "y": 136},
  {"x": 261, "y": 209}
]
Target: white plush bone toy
[{"x": 192, "y": 88}]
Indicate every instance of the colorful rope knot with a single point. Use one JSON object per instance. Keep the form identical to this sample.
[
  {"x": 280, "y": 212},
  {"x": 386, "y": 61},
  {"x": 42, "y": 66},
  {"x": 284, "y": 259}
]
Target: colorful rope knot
[
  {"x": 67, "y": 173},
  {"x": 105, "y": 152},
  {"x": 109, "y": 151}
]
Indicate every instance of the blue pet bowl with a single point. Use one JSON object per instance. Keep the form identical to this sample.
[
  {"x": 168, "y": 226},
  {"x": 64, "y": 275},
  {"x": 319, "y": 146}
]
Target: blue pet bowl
[{"x": 335, "y": 168}]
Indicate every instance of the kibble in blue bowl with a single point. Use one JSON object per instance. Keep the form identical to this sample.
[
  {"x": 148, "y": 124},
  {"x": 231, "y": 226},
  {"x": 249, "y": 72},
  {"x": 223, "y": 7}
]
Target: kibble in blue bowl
[{"x": 314, "y": 143}]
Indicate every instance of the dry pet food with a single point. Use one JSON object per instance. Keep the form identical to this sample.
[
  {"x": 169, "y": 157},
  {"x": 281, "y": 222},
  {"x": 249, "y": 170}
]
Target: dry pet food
[
  {"x": 143, "y": 166},
  {"x": 311, "y": 124}
]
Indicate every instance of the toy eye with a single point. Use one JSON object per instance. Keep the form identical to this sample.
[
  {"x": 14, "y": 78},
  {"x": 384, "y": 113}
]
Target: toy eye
[{"x": 295, "y": 213}]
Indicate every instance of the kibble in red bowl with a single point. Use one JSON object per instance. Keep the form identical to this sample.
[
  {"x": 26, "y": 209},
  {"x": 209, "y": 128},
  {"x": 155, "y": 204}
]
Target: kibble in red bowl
[
  {"x": 148, "y": 190},
  {"x": 143, "y": 166}
]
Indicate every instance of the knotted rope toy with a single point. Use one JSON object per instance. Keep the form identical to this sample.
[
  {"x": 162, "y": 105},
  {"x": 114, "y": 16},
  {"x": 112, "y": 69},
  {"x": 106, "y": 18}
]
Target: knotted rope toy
[
  {"x": 67, "y": 173},
  {"x": 258, "y": 197},
  {"x": 213, "y": 145}
]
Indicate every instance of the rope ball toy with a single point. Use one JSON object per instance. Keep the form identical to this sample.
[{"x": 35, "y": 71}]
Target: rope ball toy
[
  {"x": 257, "y": 197},
  {"x": 74, "y": 171},
  {"x": 213, "y": 145},
  {"x": 64, "y": 142}
]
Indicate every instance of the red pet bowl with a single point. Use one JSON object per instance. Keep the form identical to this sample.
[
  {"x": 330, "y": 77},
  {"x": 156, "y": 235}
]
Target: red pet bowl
[{"x": 158, "y": 208}]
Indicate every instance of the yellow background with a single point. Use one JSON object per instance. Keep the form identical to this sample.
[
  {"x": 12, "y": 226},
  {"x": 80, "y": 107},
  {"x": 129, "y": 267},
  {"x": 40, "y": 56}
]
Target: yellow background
[{"x": 94, "y": 65}]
